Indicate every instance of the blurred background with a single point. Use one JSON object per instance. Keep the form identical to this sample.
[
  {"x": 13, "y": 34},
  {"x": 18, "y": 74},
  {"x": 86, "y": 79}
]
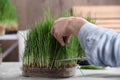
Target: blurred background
[{"x": 29, "y": 11}]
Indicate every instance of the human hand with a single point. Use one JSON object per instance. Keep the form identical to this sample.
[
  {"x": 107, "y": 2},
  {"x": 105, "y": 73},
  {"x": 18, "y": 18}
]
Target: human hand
[{"x": 63, "y": 28}]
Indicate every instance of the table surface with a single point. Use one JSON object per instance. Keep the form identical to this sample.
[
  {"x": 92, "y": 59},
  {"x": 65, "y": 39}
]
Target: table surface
[
  {"x": 12, "y": 71},
  {"x": 9, "y": 37}
]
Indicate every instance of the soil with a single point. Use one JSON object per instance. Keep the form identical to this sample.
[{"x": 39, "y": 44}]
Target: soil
[
  {"x": 11, "y": 30},
  {"x": 52, "y": 73}
]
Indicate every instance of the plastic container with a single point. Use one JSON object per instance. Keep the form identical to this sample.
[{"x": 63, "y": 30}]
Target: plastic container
[
  {"x": 2, "y": 29},
  {"x": 22, "y": 36},
  {"x": 51, "y": 73}
]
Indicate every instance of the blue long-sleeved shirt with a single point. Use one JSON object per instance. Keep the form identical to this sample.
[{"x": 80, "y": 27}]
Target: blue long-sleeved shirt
[{"x": 101, "y": 45}]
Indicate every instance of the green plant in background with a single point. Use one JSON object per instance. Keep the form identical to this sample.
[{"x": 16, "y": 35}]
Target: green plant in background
[
  {"x": 90, "y": 19},
  {"x": 43, "y": 51},
  {"x": 2, "y": 8},
  {"x": 8, "y": 14},
  {"x": 7, "y": 11}
]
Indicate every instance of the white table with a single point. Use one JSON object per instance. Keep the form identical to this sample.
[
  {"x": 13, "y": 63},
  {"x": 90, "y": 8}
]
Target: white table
[
  {"x": 12, "y": 71},
  {"x": 9, "y": 37}
]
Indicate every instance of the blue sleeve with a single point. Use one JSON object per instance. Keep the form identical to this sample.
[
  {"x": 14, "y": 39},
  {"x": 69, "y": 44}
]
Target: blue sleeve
[{"x": 101, "y": 45}]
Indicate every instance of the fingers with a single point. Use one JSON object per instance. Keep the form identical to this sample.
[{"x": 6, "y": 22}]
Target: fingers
[
  {"x": 59, "y": 39},
  {"x": 52, "y": 29},
  {"x": 58, "y": 31},
  {"x": 68, "y": 38},
  {"x": 57, "y": 36}
]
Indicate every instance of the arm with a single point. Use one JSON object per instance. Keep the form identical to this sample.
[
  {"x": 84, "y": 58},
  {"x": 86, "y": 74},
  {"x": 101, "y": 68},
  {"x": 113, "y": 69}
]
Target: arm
[{"x": 102, "y": 46}]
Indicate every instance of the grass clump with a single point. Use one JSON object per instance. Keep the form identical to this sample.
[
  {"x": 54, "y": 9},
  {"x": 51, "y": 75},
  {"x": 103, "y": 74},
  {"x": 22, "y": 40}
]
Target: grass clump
[
  {"x": 8, "y": 16},
  {"x": 43, "y": 51},
  {"x": 7, "y": 11}
]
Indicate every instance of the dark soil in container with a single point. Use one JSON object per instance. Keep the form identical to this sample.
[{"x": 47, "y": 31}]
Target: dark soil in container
[
  {"x": 11, "y": 32},
  {"x": 52, "y": 73}
]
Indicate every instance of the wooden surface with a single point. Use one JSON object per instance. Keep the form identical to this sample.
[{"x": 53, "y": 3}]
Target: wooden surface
[
  {"x": 105, "y": 16},
  {"x": 29, "y": 11}
]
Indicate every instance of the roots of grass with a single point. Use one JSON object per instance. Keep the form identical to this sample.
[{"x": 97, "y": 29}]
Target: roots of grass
[{"x": 53, "y": 73}]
